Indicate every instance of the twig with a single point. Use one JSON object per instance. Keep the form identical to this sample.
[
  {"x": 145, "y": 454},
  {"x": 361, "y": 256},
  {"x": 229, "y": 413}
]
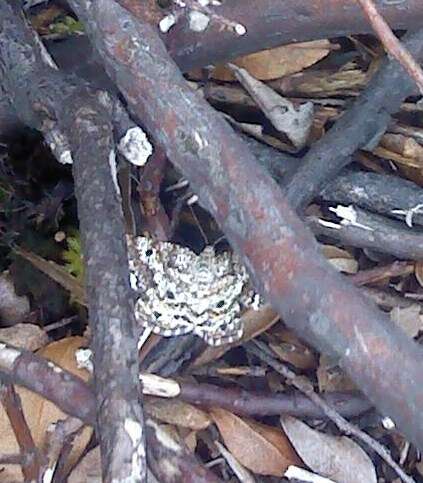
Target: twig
[
  {"x": 372, "y": 275},
  {"x": 33, "y": 463},
  {"x": 265, "y": 354},
  {"x": 391, "y": 42}
]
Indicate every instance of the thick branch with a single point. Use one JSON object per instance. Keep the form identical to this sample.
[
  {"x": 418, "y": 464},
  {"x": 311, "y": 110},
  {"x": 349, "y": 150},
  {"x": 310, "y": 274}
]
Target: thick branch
[
  {"x": 276, "y": 248},
  {"x": 75, "y": 123}
]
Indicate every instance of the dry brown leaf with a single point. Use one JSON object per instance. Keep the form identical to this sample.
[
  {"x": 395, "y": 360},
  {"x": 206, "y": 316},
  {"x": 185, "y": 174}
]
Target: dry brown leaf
[
  {"x": 404, "y": 145},
  {"x": 409, "y": 319},
  {"x": 278, "y": 62},
  {"x": 342, "y": 260},
  {"x": 331, "y": 378},
  {"x": 26, "y": 336},
  {"x": 337, "y": 458},
  {"x": 290, "y": 349},
  {"x": 295, "y": 121},
  {"x": 13, "y": 308},
  {"x": 176, "y": 412},
  {"x": 40, "y": 413},
  {"x": 262, "y": 449}
]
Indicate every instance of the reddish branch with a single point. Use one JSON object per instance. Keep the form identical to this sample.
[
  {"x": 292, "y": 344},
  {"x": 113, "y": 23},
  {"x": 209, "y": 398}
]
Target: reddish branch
[
  {"x": 278, "y": 250},
  {"x": 391, "y": 43}
]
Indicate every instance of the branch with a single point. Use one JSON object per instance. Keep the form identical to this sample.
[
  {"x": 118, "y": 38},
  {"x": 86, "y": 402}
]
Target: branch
[
  {"x": 78, "y": 126},
  {"x": 279, "y": 252}
]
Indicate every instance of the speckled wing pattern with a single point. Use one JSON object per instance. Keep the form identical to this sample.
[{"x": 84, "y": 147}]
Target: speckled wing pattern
[{"x": 179, "y": 292}]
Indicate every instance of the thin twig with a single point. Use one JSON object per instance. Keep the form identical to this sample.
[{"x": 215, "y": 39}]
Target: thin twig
[
  {"x": 260, "y": 350},
  {"x": 391, "y": 42}
]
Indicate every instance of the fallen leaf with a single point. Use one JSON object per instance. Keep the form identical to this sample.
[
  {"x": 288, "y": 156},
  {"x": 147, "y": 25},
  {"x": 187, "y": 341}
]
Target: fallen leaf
[
  {"x": 26, "y": 336},
  {"x": 336, "y": 457},
  {"x": 341, "y": 259},
  {"x": 280, "y": 61},
  {"x": 331, "y": 378},
  {"x": 262, "y": 449},
  {"x": 290, "y": 349},
  {"x": 293, "y": 121},
  {"x": 178, "y": 413},
  {"x": 409, "y": 319}
]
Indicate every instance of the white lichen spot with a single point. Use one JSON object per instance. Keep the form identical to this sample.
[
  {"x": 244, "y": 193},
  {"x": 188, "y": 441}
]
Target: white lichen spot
[
  {"x": 163, "y": 437},
  {"x": 409, "y": 214},
  {"x": 240, "y": 29},
  {"x": 180, "y": 292},
  {"x": 113, "y": 170},
  {"x": 388, "y": 424},
  {"x": 158, "y": 386},
  {"x": 48, "y": 474},
  {"x": 135, "y": 146},
  {"x": 166, "y": 23},
  {"x": 66, "y": 157},
  {"x": 133, "y": 281},
  {"x": 329, "y": 224},
  {"x": 145, "y": 334},
  {"x": 198, "y": 21},
  {"x": 192, "y": 200},
  {"x": 202, "y": 143},
  {"x": 204, "y": 3},
  {"x": 349, "y": 216},
  {"x": 135, "y": 432},
  {"x": 8, "y": 356},
  {"x": 55, "y": 367},
  {"x": 84, "y": 360}
]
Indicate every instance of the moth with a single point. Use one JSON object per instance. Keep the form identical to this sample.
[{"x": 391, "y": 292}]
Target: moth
[{"x": 179, "y": 292}]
